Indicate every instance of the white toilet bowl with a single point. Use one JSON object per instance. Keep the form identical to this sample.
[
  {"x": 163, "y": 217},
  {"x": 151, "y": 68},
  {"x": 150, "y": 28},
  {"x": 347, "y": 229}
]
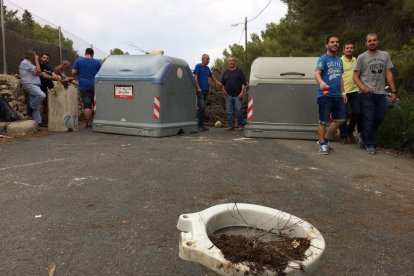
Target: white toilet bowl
[{"x": 194, "y": 244}]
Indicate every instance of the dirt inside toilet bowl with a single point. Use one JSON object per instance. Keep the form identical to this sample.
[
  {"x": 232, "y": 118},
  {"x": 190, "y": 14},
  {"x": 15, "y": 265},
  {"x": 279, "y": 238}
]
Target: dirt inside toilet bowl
[{"x": 259, "y": 249}]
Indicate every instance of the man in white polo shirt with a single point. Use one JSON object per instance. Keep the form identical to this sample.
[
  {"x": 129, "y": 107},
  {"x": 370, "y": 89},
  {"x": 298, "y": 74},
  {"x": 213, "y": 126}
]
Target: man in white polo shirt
[{"x": 29, "y": 70}]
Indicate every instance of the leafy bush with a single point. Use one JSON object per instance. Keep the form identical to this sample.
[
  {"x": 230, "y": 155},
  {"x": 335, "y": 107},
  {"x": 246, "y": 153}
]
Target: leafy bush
[{"x": 397, "y": 130}]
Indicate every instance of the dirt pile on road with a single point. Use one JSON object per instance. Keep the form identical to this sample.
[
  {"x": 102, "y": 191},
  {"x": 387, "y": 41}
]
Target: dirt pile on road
[{"x": 216, "y": 106}]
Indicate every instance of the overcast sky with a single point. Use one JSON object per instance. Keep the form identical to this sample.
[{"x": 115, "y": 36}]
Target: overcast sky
[{"x": 182, "y": 28}]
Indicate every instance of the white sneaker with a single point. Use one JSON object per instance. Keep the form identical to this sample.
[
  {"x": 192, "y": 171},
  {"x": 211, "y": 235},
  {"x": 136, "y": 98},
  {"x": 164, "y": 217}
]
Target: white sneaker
[
  {"x": 324, "y": 149},
  {"x": 371, "y": 150},
  {"x": 328, "y": 144}
]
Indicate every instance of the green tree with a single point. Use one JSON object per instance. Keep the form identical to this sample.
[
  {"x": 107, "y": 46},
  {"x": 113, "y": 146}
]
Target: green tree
[
  {"x": 50, "y": 34},
  {"x": 117, "y": 51},
  {"x": 392, "y": 19},
  {"x": 27, "y": 24},
  {"x": 12, "y": 21},
  {"x": 28, "y": 27}
]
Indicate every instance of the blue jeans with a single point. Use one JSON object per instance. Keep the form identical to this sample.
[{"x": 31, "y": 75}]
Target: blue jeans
[
  {"x": 36, "y": 97},
  {"x": 353, "y": 103},
  {"x": 201, "y": 107},
  {"x": 234, "y": 104},
  {"x": 373, "y": 113}
]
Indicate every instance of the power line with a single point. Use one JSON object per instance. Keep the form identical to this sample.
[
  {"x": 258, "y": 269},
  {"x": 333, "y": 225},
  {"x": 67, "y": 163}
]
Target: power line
[
  {"x": 260, "y": 12},
  {"x": 236, "y": 24}
]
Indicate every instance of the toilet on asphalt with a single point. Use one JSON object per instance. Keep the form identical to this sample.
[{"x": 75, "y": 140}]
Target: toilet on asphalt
[{"x": 195, "y": 245}]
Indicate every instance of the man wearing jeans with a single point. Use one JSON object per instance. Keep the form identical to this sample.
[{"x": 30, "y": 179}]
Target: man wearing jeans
[
  {"x": 29, "y": 74},
  {"x": 201, "y": 74},
  {"x": 351, "y": 91},
  {"x": 371, "y": 70},
  {"x": 331, "y": 101},
  {"x": 234, "y": 86}
]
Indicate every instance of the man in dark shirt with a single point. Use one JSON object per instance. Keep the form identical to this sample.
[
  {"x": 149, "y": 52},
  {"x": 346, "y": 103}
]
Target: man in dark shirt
[
  {"x": 47, "y": 77},
  {"x": 234, "y": 86},
  {"x": 46, "y": 81}
]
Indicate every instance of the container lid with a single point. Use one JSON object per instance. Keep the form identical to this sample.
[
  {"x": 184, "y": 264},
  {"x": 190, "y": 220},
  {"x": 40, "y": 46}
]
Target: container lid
[
  {"x": 283, "y": 70},
  {"x": 153, "y": 68}
]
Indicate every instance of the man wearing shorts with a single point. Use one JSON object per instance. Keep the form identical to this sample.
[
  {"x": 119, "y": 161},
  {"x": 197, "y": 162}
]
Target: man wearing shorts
[
  {"x": 331, "y": 100},
  {"x": 86, "y": 68}
]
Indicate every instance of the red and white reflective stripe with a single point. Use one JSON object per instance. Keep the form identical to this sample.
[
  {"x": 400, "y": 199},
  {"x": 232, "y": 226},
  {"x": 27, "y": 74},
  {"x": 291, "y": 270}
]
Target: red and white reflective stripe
[
  {"x": 250, "y": 110},
  {"x": 157, "y": 105}
]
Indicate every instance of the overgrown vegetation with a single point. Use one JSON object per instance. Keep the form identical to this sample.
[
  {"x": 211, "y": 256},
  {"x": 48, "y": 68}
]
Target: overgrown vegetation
[
  {"x": 308, "y": 22},
  {"x": 397, "y": 130}
]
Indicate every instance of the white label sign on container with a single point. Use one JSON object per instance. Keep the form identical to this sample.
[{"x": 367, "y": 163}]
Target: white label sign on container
[{"x": 123, "y": 91}]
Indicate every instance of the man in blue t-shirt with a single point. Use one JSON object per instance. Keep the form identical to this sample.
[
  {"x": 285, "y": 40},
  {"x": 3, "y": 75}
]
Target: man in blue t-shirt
[
  {"x": 201, "y": 74},
  {"x": 86, "y": 68},
  {"x": 331, "y": 99}
]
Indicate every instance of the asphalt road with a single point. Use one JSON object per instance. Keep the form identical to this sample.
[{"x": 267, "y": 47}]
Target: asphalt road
[{"x": 102, "y": 204}]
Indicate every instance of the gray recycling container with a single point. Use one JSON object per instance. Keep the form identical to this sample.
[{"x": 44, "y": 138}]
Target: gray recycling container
[
  {"x": 146, "y": 95},
  {"x": 282, "y": 98}
]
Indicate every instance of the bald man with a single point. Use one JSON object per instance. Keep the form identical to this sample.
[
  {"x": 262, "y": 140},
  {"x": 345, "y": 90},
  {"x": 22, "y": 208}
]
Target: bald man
[
  {"x": 60, "y": 71},
  {"x": 201, "y": 74}
]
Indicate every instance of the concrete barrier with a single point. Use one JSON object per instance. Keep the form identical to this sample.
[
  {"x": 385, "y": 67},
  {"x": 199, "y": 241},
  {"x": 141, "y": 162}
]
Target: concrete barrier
[
  {"x": 63, "y": 108},
  {"x": 19, "y": 128}
]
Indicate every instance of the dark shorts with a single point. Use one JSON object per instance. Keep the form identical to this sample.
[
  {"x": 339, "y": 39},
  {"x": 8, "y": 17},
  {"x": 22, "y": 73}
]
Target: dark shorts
[
  {"x": 87, "y": 97},
  {"x": 331, "y": 106}
]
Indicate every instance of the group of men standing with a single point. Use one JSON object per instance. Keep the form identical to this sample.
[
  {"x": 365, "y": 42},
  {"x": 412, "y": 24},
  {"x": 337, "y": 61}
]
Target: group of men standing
[
  {"x": 37, "y": 78},
  {"x": 233, "y": 85},
  {"x": 359, "y": 82},
  {"x": 347, "y": 81}
]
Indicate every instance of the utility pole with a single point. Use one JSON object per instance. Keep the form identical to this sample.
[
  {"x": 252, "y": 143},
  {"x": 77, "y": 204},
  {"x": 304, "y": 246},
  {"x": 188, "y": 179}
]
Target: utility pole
[
  {"x": 60, "y": 44},
  {"x": 3, "y": 36},
  {"x": 245, "y": 33},
  {"x": 245, "y": 41},
  {"x": 245, "y": 44}
]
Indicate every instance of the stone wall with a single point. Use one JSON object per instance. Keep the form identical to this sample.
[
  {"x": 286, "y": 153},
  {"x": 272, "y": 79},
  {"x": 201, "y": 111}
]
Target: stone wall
[{"x": 12, "y": 91}]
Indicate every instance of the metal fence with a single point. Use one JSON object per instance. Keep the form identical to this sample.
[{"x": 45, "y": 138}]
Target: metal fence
[{"x": 21, "y": 31}]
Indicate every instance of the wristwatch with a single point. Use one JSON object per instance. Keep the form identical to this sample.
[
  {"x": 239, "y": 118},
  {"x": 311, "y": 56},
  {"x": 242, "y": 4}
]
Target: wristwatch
[{"x": 394, "y": 92}]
